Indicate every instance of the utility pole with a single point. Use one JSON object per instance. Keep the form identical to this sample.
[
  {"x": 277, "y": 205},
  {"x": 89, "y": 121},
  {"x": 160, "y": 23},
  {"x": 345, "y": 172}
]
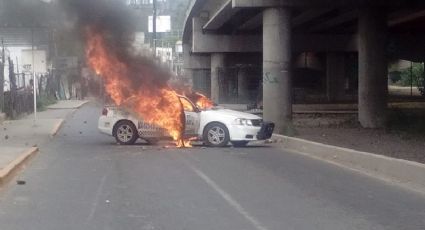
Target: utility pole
[
  {"x": 154, "y": 27},
  {"x": 13, "y": 88},
  {"x": 18, "y": 74},
  {"x": 34, "y": 78},
  {"x": 2, "y": 78},
  {"x": 411, "y": 79}
]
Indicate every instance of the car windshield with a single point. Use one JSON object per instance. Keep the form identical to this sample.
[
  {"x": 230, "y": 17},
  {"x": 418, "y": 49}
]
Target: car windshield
[
  {"x": 212, "y": 114},
  {"x": 187, "y": 105}
]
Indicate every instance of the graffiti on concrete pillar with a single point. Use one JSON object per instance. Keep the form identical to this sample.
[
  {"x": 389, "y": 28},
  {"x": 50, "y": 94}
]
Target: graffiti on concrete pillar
[{"x": 268, "y": 78}]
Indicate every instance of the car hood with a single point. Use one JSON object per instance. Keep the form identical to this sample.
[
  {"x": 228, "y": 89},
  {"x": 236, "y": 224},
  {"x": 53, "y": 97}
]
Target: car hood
[{"x": 231, "y": 113}]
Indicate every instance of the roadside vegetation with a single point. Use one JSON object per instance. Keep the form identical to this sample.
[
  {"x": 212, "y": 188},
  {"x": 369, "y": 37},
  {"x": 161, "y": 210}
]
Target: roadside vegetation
[
  {"x": 407, "y": 77},
  {"x": 44, "y": 100}
]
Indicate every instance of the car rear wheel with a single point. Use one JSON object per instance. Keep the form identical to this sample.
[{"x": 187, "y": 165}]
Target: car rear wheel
[
  {"x": 126, "y": 133},
  {"x": 239, "y": 143},
  {"x": 216, "y": 135}
]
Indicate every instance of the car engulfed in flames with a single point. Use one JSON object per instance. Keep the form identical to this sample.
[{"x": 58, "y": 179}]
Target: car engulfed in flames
[
  {"x": 215, "y": 127},
  {"x": 136, "y": 84}
]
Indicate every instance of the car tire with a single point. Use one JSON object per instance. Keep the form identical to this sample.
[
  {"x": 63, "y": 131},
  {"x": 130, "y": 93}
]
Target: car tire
[
  {"x": 125, "y": 133},
  {"x": 239, "y": 143},
  {"x": 216, "y": 135}
]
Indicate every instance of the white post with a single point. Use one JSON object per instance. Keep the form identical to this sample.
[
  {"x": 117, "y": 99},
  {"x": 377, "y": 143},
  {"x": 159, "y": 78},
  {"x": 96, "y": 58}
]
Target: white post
[{"x": 34, "y": 81}]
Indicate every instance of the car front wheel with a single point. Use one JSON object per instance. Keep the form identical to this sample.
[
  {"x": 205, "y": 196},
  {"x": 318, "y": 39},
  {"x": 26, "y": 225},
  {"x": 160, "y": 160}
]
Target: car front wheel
[
  {"x": 126, "y": 133},
  {"x": 216, "y": 135}
]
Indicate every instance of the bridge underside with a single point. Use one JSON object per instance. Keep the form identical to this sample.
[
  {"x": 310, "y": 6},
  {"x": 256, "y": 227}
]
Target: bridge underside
[{"x": 342, "y": 47}]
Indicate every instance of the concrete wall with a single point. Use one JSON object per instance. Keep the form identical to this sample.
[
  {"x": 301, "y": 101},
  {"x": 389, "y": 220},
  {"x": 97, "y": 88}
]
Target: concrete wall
[
  {"x": 321, "y": 3},
  {"x": 213, "y": 6},
  {"x": 212, "y": 43},
  {"x": 216, "y": 43},
  {"x": 195, "y": 60}
]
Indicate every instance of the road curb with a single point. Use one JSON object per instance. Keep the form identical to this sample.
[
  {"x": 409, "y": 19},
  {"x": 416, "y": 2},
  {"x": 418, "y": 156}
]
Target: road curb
[
  {"x": 406, "y": 173},
  {"x": 13, "y": 166},
  {"x": 2, "y": 118},
  {"x": 79, "y": 105},
  {"x": 83, "y": 103},
  {"x": 57, "y": 127}
]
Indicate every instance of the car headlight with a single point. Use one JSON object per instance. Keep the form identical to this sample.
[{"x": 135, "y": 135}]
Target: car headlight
[
  {"x": 249, "y": 122},
  {"x": 243, "y": 121},
  {"x": 239, "y": 121}
]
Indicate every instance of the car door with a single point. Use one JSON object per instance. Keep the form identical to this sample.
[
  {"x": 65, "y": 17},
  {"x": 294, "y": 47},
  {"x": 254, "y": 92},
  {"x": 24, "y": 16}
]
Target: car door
[{"x": 192, "y": 117}]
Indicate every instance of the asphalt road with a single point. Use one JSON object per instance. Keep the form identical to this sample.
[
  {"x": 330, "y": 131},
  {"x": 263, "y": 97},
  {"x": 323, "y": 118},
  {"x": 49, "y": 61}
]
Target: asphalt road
[{"x": 83, "y": 180}]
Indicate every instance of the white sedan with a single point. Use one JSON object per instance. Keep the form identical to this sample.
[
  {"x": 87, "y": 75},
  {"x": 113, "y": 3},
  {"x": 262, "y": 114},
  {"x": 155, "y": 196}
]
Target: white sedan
[{"x": 216, "y": 127}]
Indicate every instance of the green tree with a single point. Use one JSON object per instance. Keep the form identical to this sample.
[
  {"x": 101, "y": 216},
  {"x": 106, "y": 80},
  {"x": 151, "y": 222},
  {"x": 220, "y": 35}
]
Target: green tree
[{"x": 414, "y": 75}]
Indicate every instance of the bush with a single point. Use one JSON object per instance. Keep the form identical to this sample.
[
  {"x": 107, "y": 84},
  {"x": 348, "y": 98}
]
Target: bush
[
  {"x": 43, "y": 101},
  {"x": 417, "y": 77},
  {"x": 394, "y": 76}
]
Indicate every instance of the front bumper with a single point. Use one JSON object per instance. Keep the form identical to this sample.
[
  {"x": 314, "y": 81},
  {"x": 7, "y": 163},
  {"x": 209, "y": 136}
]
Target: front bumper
[
  {"x": 266, "y": 131},
  {"x": 251, "y": 133}
]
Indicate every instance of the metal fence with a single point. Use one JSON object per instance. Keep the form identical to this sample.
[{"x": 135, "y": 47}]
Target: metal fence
[
  {"x": 202, "y": 81},
  {"x": 237, "y": 84},
  {"x": 19, "y": 103},
  {"x": 240, "y": 84}
]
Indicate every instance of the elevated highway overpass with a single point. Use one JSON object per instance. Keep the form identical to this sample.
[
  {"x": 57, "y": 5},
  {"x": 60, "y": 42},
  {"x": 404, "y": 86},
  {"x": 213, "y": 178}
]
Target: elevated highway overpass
[{"x": 347, "y": 39}]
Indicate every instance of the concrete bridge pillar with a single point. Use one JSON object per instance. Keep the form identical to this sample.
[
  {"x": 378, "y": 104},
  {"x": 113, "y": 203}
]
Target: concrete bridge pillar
[
  {"x": 373, "y": 89},
  {"x": 217, "y": 68},
  {"x": 277, "y": 84}
]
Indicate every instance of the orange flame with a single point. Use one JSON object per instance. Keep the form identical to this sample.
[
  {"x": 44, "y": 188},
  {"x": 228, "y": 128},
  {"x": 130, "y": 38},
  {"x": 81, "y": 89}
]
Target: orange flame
[
  {"x": 200, "y": 100},
  {"x": 157, "y": 103},
  {"x": 203, "y": 102},
  {"x": 160, "y": 106}
]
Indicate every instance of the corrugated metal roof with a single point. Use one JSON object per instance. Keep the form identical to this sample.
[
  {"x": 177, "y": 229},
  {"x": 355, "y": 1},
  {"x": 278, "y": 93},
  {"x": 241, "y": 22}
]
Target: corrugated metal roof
[{"x": 14, "y": 36}]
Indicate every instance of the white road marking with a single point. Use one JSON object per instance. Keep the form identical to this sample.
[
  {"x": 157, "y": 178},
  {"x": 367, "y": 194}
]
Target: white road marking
[
  {"x": 96, "y": 199},
  {"x": 226, "y": 196}
]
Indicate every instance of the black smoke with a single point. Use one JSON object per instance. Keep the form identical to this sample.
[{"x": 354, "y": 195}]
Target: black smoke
[{"x": 114, "y": 20}]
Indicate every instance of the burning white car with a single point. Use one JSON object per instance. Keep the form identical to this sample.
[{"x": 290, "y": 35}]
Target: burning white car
[{"x": 216, "y": 127}]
